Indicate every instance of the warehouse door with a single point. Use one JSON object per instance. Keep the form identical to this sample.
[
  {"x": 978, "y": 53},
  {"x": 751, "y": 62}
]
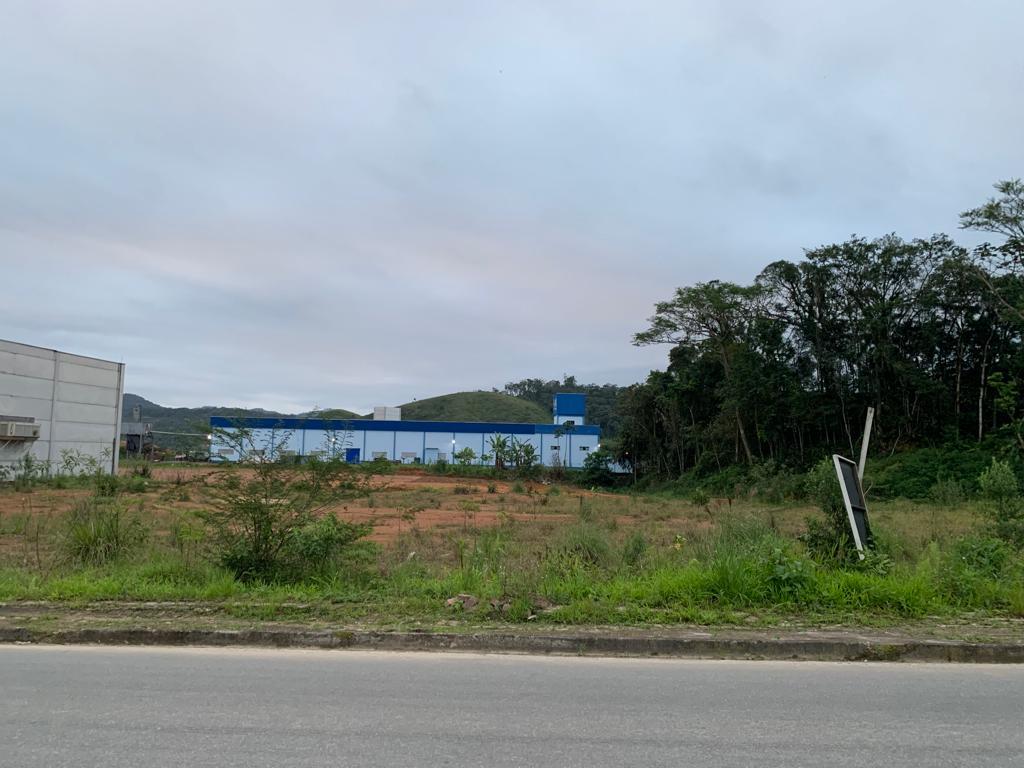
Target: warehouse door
[
  {"x": 352, "y": 455},
  {"x": 430, "y": 456}
]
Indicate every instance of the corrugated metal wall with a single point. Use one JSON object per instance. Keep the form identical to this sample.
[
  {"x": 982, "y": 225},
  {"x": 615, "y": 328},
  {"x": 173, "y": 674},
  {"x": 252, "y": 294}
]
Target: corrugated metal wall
[{"x": 76, "y": 401}]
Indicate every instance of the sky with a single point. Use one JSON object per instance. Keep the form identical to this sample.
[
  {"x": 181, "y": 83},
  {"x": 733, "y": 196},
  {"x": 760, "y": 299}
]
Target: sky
[{"x": 349, "y": 204}]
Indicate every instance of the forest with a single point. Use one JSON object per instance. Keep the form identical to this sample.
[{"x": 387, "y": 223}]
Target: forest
[{"x": 928, "y": 332}]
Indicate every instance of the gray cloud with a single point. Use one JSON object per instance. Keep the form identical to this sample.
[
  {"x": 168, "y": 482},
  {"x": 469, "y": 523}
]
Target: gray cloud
[{"x": 346, "y": 204}]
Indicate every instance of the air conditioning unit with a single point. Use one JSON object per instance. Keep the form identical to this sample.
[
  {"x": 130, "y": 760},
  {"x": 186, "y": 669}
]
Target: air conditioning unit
[{"x": 18, "y": 430}]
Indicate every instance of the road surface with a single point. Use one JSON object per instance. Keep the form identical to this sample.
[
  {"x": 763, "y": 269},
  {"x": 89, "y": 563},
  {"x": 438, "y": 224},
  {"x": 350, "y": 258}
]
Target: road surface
[{"x": 91, "y": 706}]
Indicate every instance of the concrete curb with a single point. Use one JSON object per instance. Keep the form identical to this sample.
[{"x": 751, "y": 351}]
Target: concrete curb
[{"x": 798, "y": 648}]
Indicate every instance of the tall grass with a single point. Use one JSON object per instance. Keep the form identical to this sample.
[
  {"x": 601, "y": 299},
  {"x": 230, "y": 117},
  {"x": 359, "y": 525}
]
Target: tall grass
[
  {"x": 622, "y": 559},
  {"x": 99, "y": 531}
]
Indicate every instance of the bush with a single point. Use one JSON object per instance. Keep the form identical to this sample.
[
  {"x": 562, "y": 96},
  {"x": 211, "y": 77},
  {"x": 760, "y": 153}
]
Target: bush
[
  {"x": 828, "y": 540},
  {"x": 379, "y": 466},
  {"x": 597, "y": 469},
  {"x": 1001, "y": 490},
  {"x": 947, "y": 493},
  {"x": 105, "y": 485},
  {"x": 97, "y": 531},
  {"x": 316, "y": 549},
  {"x": 985, "y": 555},
  {"x": 465, "y": 457},
  {"x": 912, "y": 474},
  {"x": 136, "y": 484},
  {"x": 256, "y": 520},
  {"x": 768, "y": 481},
  {"x": 584, "y": 546}
]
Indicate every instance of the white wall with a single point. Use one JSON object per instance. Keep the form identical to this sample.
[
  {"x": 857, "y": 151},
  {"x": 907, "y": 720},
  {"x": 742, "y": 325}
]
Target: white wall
[
  {"x": 392, "y": 444},
  {"x": 76, "y": 401}
]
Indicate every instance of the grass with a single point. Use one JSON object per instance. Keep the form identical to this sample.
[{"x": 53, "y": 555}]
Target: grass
[{"x": 553, "y": 557}]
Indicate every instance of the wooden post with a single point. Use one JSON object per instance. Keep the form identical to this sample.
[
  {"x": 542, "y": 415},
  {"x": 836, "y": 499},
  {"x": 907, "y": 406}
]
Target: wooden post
[{"x": 864, "y": 443}]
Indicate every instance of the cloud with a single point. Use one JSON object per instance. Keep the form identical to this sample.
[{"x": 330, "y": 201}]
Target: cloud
[{"x": 347, "y": 204}]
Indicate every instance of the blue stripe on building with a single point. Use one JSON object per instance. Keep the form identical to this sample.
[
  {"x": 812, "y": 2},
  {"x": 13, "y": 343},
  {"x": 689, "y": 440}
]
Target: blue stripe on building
[{"x": 367, "y": 425}]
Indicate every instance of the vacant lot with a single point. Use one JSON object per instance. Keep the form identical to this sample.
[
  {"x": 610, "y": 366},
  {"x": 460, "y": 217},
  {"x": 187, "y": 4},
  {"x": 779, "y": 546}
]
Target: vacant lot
[{"x": 517, "y": 550}]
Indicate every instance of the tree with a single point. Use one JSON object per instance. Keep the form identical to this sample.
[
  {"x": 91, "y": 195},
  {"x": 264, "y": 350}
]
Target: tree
[
  {"x": 500, "y": 449},
  {"x": 784, "y": 370},
  {"x": 1003, "y": 215},
  {"x": 465, "y": 456},
  {"x": 714, "y": 315}
]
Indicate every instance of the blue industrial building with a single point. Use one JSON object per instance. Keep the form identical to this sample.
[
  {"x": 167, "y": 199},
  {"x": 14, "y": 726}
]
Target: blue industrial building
[{"x": 566, "y": 442}]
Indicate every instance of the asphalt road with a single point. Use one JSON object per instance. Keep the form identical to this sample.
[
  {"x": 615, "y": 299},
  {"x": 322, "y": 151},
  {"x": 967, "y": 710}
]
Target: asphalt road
[{"x": 86, "y": 706}]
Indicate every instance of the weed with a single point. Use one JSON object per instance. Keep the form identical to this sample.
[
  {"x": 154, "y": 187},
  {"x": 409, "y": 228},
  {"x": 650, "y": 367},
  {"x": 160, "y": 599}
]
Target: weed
[
  {"x": 947, "y": 493},
  {"x": 97, "y": 532},
  {"x": 634, "y": 550}
]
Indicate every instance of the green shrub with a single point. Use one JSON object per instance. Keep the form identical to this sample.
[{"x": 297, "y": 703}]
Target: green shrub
[
  {"x": 98, "y": 531},
  {"x": 985, "y": 555},
  {"x": 379, "y": 466},
  {"x": 788, "y": 576},
  {"x": 316, "y": 549},
  {"x": 585, "y": 546},
  {"x": 634, "y": 549},
  {"x": 828, "y": 539},
  {"x": 107, "y": 486},
  {"x": 28, "y": 471},
  {"x": 947, "y": 493},
  {"x": 912, "y": 474},
  {"x": 597, "y": 469},
  {"x": 1000, "y": 488},
  {"x": 255, "y": 520},
  {"x": 700, "y": 498},
  {"x": 136, "y": 484},
  {"x": 768, "y": 481}
]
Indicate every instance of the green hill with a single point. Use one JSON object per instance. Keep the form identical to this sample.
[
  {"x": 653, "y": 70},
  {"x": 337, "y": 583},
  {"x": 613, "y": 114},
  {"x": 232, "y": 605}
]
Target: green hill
[
  {"x": 336, "y": 413},
  {"x": 475, "y": 406}
]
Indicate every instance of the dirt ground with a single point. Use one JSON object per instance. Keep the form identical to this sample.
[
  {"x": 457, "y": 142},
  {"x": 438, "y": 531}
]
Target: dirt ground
[
  {"x": 397, "y": 503},
  {"x": 414, "y": 500}
]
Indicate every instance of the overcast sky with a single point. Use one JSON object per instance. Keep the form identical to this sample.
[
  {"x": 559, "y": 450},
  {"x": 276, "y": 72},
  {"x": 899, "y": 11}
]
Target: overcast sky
[{"x": 289, "y": 204}]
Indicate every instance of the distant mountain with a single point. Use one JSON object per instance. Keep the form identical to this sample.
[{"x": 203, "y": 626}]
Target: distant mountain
[
  {"x": 189, "y": 424},
  {"x": 183, "y": 429}
]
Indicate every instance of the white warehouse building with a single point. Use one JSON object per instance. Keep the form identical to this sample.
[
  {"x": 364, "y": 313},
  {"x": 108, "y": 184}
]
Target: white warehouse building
[
  {"x": 54, "y": 405},
  {"x": 566, "y": 442}
]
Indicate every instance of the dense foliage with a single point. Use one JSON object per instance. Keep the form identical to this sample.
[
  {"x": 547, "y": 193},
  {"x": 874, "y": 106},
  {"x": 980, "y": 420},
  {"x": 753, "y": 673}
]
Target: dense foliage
[
  {"x": 602, "y": 399},
  {"x": 925, "y": 331}
]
